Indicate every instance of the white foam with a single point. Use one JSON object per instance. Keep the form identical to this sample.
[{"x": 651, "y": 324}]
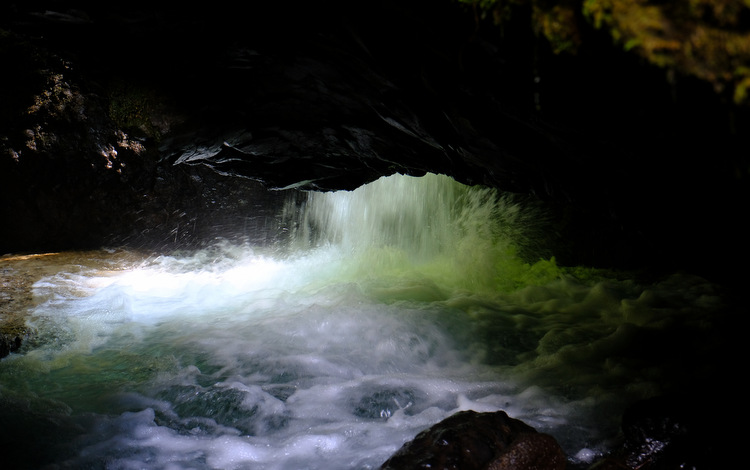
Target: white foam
[{"x": 326, "y": 375}]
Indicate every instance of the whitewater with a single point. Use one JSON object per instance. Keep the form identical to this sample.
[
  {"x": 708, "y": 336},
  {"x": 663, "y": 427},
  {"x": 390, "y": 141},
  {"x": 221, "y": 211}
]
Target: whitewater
[{"x": 383, "y": 311}]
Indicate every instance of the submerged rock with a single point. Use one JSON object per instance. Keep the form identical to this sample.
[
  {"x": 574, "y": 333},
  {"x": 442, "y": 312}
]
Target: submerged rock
[{"x": 469, "y": 440}]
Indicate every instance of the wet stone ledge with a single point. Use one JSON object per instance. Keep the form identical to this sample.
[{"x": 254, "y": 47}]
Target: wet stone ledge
[{"x": 15, "y": 300}]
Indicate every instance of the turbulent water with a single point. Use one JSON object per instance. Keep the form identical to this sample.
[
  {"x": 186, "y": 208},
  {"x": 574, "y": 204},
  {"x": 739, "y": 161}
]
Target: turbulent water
[{"x": 389, "y": 309}]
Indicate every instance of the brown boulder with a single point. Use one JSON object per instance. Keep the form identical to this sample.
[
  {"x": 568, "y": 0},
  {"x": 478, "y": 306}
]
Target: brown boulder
[{"x": 489, "y": 441}]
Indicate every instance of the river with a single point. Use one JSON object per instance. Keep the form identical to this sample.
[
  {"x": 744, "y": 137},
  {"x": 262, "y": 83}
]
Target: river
[{"x": 386, "y": 310}]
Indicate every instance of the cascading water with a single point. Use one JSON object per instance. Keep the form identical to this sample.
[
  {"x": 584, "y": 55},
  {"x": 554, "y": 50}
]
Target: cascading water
[{"x": 391, "y": 308}]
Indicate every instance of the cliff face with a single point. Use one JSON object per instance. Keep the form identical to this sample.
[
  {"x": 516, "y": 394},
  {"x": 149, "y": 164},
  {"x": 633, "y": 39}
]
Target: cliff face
[{"x": 163, "y": 126}]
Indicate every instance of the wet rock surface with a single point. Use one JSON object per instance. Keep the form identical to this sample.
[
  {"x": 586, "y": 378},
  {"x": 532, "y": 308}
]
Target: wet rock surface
[
  {"x": 469, "y": 440},
  {"x": 15, "y": 300}
]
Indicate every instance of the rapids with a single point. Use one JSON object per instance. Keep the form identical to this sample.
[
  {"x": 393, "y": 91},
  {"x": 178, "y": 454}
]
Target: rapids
[{"x": 386, "y": 310}]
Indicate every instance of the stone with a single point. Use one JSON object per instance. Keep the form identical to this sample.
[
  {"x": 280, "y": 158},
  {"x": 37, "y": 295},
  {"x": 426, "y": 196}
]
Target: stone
[{"x": 469, "y": 440}]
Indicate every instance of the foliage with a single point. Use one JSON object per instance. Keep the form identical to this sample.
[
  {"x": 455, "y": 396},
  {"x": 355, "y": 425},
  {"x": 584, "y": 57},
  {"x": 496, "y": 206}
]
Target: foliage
[
  {"x": 706, "y": 39},
  {"x": 559, "y": 25}
]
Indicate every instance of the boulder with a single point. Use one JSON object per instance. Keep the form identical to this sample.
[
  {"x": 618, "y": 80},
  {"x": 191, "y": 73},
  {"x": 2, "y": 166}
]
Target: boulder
[{"x": 469, "y": 440}]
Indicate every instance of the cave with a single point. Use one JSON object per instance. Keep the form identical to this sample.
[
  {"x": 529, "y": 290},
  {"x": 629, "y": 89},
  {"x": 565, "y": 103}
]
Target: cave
[{"x": 294, "y": 235}]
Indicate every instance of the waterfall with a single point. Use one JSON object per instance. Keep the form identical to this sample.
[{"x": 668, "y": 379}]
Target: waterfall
[{"x": 459, "y": 236}]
